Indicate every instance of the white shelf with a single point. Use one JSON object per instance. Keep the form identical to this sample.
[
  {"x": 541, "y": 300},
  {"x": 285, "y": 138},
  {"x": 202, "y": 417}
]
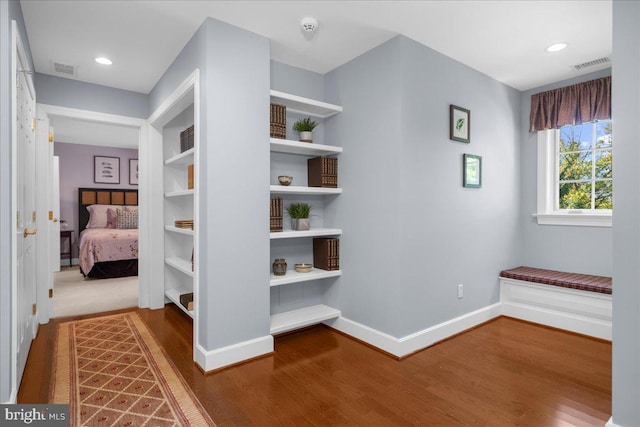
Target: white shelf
[
  {"x": 171, "y": 228},
  {"x": 290, "y": 320},
  {"x": 182, "y": 159},
  {"x": 180, "y": 264},
  {"x": 288, "y": 146},
  {"x": 174, "y": 296},
  {"x": 314, "y": 232},
  {"x": 179, "y": 193},
  {"x": 293, "y": 276},
  {"x": 292, "y": 189},
  {"x": 299, "y": 104}
]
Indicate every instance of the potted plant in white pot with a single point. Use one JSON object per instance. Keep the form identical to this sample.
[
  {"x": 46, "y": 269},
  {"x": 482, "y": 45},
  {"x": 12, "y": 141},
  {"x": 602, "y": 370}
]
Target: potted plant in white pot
[
  {"x": 299, "y": 213},
  {"x": 305, "y": 128}
]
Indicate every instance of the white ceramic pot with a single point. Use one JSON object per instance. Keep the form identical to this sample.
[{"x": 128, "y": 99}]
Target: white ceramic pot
[
  {"x": 306, "y": 136},
  {"x": 300, "y": 224}
]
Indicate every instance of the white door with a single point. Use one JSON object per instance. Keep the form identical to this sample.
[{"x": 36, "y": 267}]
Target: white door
[
  {"x": 23, "y": 145},
  {"x": 55, "y": 206}
]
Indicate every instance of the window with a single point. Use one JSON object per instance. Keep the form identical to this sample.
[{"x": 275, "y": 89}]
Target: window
[{"x": 575, "y": 176}]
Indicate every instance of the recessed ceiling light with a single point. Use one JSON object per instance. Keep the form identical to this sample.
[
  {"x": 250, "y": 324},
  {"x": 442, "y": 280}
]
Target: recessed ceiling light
[
  {"x": 104, "y": 61},
  {"x": 556, "y": 47}
]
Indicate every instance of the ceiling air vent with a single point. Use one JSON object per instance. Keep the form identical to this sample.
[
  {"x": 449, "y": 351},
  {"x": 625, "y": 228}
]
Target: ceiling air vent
[
  {"x": 63, "y": 69},
  {"x": 590, "y": 64}
]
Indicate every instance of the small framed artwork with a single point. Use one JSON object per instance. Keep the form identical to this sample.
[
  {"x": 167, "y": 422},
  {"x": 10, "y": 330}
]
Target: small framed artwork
[
  {"x": 460, "y": 124},
  {"x": 133, "y": 171},
  {"x": 106, "y": 170},
  {"x": 472, "y": 171}
]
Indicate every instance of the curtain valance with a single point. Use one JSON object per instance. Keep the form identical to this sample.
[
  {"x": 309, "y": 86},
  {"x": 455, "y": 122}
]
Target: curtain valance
[{"x": 571, "y": 105}]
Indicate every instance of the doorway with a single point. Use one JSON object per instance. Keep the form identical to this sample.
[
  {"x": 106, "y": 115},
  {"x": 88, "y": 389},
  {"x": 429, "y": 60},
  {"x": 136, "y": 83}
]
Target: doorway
[{"x": 76, "y": 136}]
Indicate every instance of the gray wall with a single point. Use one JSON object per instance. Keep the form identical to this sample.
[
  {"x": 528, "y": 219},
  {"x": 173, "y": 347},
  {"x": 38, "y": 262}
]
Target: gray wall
[
  {"x": 70, "y": 93},
  {"x": 578, "y": 249},
  {"x": 626, "y": 215},
  {"x": 9, "y": 10},
  {"x": 234, "y": 178},
  {"x": 417, "y": 232}
]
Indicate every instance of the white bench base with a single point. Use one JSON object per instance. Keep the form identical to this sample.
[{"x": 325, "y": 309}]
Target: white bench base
[{"x": 575, "y": 310}]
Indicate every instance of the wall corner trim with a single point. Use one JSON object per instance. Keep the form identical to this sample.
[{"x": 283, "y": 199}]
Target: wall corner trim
[
  {"x": 419, "y": 340},
  {"x": 210, "y": 360}
]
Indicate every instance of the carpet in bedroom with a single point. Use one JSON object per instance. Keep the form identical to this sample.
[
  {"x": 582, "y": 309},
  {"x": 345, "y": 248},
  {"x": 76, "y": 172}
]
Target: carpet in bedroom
[{"x": 75, "y": 295}]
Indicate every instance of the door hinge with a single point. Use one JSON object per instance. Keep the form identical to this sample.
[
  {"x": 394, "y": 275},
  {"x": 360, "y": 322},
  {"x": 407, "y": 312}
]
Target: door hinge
[
  {"x": 50, "y": 136},
  {"x": 51, "y": 293},
  {"x": 34, "y": 309},
  {"x": 34, "y": 125},
  {"x": 50, "y": 215},
  {"x": 33, "y": 216}
]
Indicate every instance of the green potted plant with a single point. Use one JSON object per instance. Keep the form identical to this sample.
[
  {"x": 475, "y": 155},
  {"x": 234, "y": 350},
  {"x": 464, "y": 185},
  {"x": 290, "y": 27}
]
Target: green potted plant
[
  {"x": 299, "y": 213},
  {"x": 305, "y": 128}
]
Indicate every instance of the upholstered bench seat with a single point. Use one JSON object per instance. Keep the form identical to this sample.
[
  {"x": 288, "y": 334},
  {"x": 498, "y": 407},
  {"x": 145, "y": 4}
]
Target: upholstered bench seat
[
  {"x": 583, "y": 282},
  {"x": 576, "y": 302}
]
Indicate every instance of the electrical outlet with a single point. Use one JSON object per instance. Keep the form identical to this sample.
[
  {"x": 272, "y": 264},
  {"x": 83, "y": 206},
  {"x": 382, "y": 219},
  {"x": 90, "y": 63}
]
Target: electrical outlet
[{"x": 460, "y": 291}]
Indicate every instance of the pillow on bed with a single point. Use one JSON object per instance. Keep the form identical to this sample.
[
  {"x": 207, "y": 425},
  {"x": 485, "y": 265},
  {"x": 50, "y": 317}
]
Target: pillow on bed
[
  {"x": 98, "y": 215},
  {"x": 112, "y": 218},
  {"x": 126, "y": 219},
  {"x": 133, "y": 208}
]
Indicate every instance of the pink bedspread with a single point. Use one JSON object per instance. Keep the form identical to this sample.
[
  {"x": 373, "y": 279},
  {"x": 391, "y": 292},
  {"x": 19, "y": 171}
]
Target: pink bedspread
[{"x": 106, "y": 244}]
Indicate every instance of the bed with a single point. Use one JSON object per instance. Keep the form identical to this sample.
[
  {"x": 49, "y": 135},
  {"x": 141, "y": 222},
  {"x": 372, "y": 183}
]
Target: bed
[{"x": 108, "y": 248}]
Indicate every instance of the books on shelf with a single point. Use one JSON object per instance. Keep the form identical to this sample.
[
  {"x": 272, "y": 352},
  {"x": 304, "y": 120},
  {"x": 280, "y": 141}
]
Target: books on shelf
[
  {"x": 190, "y": 177},
  {"x": 187, "y": 139},
  {"x": 322, "y": 172},
  {"x": 187, "y": 300},
  {"x": 184, "y": 223},
  {"x": 326, "y": 253},
  {"x": 275, "y": 214},
  {"x": 278, "y": 118}
]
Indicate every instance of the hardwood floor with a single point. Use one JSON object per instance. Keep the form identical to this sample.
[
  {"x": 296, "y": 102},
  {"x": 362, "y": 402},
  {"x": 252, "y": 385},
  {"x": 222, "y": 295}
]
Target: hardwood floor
[{"x": 503, "y": 373}]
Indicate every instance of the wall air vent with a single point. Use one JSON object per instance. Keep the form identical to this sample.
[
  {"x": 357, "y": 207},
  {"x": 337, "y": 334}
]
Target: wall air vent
[
  {"x": 63, "y": 69},
  {"x": 590, "y": 64}
]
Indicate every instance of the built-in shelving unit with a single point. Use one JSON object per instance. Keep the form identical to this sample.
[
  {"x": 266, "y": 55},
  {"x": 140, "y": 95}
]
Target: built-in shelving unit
[
  {"x": 180, "y": 201},
  {"x": 299, "y": 318}
]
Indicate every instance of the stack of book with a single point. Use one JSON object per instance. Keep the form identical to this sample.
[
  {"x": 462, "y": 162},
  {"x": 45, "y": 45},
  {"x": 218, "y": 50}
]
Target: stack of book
[
  {"x": 190, "y": 177},
  {"x": 184, "y": 223},
  {"x": 322, "y": 172},
  {"x": 275, "y": 214},
  {"x": 326, "y": 253},
  {"x": 186, "y": 139},
  {"x": 278, "y": 121},
  {"x": 187, "y": 301}
]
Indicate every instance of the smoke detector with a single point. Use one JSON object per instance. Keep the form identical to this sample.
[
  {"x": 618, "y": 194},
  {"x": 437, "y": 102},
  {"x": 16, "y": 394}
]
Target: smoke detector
[{"x": 309, "y": 24}]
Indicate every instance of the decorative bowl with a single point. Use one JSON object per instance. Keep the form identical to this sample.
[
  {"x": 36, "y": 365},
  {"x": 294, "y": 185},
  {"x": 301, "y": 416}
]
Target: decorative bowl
[
  {"x": 303, "y": 268},
  {"x": 285, "y": 180}
]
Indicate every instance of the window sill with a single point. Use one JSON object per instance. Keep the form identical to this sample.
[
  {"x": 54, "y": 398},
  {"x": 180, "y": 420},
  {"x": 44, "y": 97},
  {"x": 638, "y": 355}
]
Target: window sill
[{"x": 574, "y": 219}]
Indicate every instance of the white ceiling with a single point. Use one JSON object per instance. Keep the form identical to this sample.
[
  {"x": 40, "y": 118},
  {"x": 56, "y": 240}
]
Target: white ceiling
[
  {"x": 77, "y": 131},
  {"x": 503, "y": 39}
]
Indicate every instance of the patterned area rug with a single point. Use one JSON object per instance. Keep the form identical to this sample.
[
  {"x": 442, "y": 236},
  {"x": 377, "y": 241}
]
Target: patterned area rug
[{"x": 112, "y": 371}]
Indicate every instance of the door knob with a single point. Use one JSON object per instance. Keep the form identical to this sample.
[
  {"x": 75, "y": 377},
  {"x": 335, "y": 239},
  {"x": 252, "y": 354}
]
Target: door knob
[
  {"x": 55, "y": 219},
  {"x": 28, "y": 232}
]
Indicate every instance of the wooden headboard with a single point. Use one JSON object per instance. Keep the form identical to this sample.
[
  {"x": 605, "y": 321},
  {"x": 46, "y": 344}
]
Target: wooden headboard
[{"x": 102, "y": 196}]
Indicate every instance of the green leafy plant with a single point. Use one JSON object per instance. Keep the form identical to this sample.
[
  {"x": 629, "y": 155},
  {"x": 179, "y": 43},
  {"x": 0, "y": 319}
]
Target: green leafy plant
[
  {"x": 305, "y": 125},
  {"x": 299, "y": 210}
]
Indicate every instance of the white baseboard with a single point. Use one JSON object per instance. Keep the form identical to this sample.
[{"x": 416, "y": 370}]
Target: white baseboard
[
  {"x": 611, "y": 424},
  {"x": 13, "y": 398},
  {"x": 417, "y": 341},
  {"x": 230, "y": 355},
  {"x": 584, "y": 312}
]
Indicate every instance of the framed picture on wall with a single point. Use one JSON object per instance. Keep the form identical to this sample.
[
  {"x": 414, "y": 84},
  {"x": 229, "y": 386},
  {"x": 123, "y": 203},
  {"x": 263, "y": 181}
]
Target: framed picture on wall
[
  {"x": 106, "y": 170},
  {"x": 472, "y": 171},
  {"x": 460, "y": 124},
  {"x": 133, "y": 171}
]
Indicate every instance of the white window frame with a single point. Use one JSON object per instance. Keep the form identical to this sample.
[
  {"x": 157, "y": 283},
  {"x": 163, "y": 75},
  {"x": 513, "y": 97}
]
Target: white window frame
[{"x": 548, "y": 213}]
